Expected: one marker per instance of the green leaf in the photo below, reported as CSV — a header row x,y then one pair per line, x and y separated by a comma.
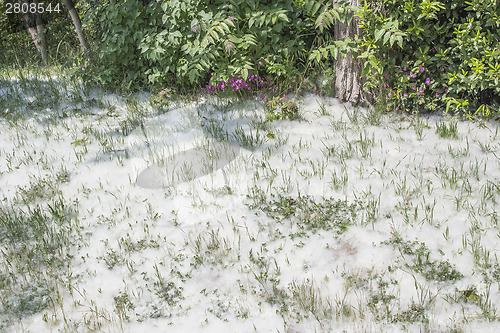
x,y
399,39
283,17
316,7
386,37
244,74
378,34
366,69
308,5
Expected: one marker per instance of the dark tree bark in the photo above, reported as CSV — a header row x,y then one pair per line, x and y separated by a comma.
x,y
78,25
35,27
348,81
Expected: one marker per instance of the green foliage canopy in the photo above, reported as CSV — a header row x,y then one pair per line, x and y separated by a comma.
x,y
429,54
189,41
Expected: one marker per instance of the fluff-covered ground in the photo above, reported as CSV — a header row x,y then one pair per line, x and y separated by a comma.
x,y
129,214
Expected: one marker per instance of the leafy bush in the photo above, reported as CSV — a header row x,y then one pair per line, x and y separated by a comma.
x,y
425,55
189,42
118,29
420,55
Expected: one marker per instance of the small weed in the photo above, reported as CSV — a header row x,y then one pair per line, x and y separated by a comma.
x,y
459,152
281,108
329,214
39,189
365,143
414,314
210,249
419,127
485,147
166,290
373,116
307,298
322,110
112,258
447,130
381,300
422,263
339,181
250,140
352,114
123,305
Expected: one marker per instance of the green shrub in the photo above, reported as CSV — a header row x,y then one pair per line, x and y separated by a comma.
x,y
191,42
425,55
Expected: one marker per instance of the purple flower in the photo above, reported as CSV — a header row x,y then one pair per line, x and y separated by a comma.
x,y
421,68
404,69
405,95
262,96
428,81
397,108
386,76
437,94
442,69
421,90
389,95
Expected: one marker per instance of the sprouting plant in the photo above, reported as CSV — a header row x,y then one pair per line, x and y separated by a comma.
x,y
250,140
449,130
419,127
352,114
421,261
322,110
123,305
373,116
281,108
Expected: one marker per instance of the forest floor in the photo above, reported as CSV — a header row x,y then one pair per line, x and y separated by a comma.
x,y
126,214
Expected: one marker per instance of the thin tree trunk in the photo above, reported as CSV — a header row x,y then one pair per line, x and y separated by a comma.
x,y
31,27
348,81
34,25
40,29
78,25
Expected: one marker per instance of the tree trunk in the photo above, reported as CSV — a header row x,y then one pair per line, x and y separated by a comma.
x,y
34,25
40,29
348,81
78,25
